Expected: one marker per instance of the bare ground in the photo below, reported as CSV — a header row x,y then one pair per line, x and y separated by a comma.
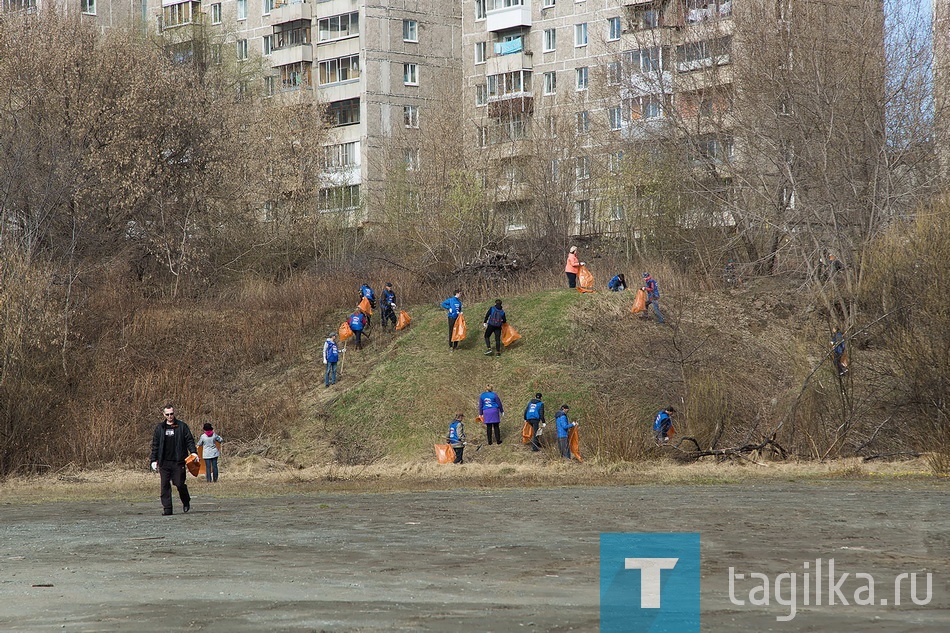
x,y
467,559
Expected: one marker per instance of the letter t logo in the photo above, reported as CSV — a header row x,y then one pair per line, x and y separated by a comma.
x,y
649,578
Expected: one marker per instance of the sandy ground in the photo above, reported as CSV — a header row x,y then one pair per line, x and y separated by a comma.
x,y
465,560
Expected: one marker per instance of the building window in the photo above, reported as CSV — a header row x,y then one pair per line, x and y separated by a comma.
x,y
345,112
580,34
267,44
241,9
615,162
410,74
547,4
550,40
480,49
182,13
481,94
216,13
270,85
410,31
410,116
339,198
412,158
294,76
342,155
293,34
338,26
550,83
508,83
695,55
481,135
581,76
242,50
341,69
582,168
613,28
215,51
268,6
652,107
614,73
583,122
582,213
480,9
88,7
616,210
615,115
514,128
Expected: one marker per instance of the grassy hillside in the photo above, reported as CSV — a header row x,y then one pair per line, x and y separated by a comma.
x,y
739,365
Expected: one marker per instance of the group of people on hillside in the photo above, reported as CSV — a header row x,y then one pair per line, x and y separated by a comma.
x,y
494,322
617,283
490,412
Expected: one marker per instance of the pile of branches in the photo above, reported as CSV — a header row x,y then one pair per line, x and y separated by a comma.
x,y
489,265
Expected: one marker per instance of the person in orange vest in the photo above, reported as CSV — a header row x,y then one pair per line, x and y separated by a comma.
x,y
572,267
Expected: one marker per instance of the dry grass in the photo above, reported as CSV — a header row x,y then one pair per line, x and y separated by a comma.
x,y
253,477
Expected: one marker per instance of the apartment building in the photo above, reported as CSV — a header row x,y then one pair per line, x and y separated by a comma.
x,y
105,14
558,92
377,67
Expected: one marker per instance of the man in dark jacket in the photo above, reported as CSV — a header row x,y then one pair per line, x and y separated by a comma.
x,y
172,442
534,415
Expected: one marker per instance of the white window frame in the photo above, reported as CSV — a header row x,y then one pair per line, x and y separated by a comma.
x,y
614,73
411,155
88,7
267,6
547,4
582,122
481,136
481,95
241,50
333,70
615,116
325,34
481,52
582,78
216,13
410,116
550,40
481,9
267,44
241,9
614,29
550,83
410,31
580,35
410,74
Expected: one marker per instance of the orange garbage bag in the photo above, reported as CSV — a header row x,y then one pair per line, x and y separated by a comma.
x,y
365,307
585,280
572,443
444,453
671,432
191,463
526,433
639,302
508,334
460,331
344,331
404,320
201,458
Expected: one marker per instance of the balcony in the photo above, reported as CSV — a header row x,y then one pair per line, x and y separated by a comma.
x,y
504,18
509,63
291,55
510,105
290,11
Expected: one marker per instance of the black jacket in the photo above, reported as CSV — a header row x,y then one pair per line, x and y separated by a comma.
x,y
184,442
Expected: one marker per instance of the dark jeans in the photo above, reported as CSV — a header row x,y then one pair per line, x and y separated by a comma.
x,y
488,431
458,454
389,315
564,447
211,469
359,338
452,320
571,280
496,330
535,440
329,376
173,474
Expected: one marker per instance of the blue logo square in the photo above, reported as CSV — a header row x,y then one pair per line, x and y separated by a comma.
x,y
649,582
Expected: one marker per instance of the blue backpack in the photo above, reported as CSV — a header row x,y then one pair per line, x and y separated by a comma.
x,y
496,318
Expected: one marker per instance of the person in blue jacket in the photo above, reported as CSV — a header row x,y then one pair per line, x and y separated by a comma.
x,y
456,437
331,355
563,426
662,425
653,296
837,352
491,410
494,319
367,292
389,306
358,322
454,307
617,283
534,415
